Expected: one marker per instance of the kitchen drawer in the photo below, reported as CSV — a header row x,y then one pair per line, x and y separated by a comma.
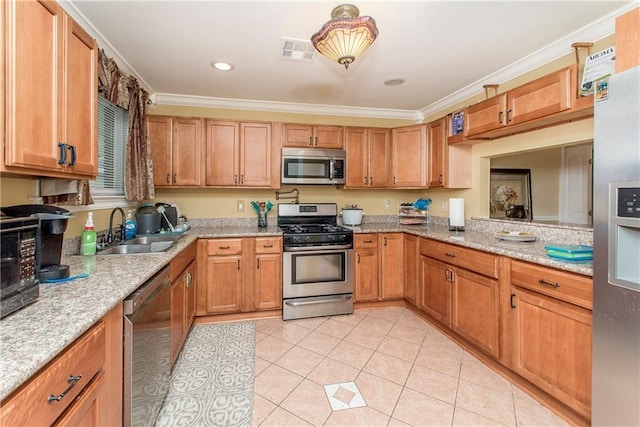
x,y
179,263
366,241
224,246
470,259
268,245
82,360
558,284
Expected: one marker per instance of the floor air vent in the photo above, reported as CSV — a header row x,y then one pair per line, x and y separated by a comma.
x,y
297,50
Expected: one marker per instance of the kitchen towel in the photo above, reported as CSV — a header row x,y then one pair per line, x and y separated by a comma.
x,y
456,212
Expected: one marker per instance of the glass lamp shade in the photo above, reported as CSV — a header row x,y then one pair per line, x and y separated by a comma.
x,y
343,39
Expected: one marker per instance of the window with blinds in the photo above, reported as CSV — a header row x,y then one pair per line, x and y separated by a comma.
x,y
113,129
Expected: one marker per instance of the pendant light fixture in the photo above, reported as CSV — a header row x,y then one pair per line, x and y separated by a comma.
x,y
346,36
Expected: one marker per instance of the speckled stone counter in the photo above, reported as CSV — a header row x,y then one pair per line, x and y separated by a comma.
x,y
526,251
34,335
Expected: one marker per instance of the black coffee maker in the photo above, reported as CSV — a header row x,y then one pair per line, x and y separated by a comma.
x,y
53,224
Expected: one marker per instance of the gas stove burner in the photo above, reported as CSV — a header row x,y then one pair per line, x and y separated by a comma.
x,y
312,228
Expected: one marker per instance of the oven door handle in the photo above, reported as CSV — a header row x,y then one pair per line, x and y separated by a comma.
x,y
319,301
318,249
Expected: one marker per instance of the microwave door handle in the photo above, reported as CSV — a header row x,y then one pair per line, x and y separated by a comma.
x,y
332,168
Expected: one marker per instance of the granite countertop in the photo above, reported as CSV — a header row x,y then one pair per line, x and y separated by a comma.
x,y
34,335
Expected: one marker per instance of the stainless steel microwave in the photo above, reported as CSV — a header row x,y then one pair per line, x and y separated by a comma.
x,y
313,166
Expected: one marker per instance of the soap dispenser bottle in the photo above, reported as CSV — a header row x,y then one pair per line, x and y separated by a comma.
x,y
130,226
89,237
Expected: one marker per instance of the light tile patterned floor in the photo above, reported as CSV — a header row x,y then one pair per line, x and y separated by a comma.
x,y
407,373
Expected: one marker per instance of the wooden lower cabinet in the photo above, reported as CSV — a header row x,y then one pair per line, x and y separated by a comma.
x,y
465,301
551,336
239,275
94,362
183,302
268,273
411,268
379,266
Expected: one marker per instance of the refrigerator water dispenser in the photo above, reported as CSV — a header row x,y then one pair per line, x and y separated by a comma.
x,y
624,234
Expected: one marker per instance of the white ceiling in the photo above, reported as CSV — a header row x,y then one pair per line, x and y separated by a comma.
x,y
439,47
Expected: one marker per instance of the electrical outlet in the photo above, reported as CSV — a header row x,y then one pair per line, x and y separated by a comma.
x,y
443,206
240,205
386,204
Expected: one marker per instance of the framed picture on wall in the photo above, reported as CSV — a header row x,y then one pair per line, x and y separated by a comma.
x,y
510,194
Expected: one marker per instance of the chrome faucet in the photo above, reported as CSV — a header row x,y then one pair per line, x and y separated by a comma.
x,y
110,234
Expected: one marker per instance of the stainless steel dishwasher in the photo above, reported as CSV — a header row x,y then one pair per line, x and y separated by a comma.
x,y
147,367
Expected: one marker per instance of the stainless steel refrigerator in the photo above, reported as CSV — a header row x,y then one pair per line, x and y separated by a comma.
x,y
616,259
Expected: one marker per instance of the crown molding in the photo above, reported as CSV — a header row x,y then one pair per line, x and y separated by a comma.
x,y
594,31
283,107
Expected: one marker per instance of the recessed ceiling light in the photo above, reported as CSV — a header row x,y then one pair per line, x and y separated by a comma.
x,y
395,82
222,66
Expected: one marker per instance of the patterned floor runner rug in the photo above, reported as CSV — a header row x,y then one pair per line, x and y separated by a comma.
x,y
212,380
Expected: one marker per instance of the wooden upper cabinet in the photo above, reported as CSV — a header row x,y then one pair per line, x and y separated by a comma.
x,y
368,157
159,130
449,164
51,105
539,98
176,147
485,116
437,137
409,157
241,154
627,40
222,153
309,136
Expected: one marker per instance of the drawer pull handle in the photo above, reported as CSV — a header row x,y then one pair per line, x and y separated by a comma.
x,y
449,255
72,382
367,241
224,247
544,282
267,246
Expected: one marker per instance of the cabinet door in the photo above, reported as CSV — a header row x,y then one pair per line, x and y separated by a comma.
x,y
89,409
160,131
223,282
268,282
541,97
298,136
379,158
81,98
256,155
367,285
34,79
486,115
437,140
391,277
409,157
475,310
328,137
190,296
186,151
552,347
222,154
177,317
411,271
436,289
357,158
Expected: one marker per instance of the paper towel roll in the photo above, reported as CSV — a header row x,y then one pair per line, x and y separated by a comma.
x,y
456,212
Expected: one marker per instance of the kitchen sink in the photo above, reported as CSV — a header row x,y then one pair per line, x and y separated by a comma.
x,y
152,239
138,248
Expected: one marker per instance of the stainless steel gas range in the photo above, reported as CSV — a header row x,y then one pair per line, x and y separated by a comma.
x,y
317,269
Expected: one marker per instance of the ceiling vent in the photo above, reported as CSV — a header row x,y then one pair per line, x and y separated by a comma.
x,y
297,50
